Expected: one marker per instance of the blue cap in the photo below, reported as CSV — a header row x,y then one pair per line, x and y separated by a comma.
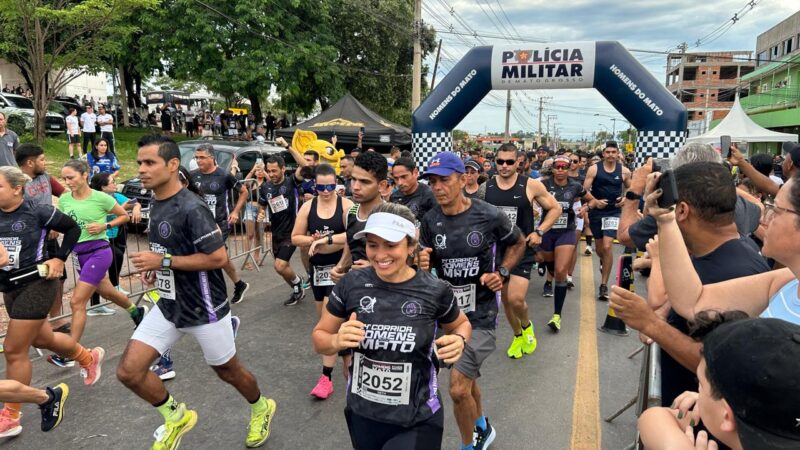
x,y
444,164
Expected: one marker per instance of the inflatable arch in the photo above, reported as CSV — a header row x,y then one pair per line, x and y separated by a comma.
x,y
604,65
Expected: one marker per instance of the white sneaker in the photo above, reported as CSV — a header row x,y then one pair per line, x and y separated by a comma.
x,y
119,288
101,311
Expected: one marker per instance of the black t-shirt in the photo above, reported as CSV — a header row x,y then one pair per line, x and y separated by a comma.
x,y
215,187
281,203
23,233
566,196
733,259
393,374
746,216
183,225
420,202
465,246
357,247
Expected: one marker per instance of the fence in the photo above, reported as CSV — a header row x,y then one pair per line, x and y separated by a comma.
x,y
252,254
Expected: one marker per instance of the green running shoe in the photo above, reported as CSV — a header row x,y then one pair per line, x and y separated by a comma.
x,y
169,435
555,323
528,340
259,425
515,349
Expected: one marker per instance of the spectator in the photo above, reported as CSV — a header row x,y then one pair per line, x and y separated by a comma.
x,y
88,123
748,395
705,217
762,162
101,160
9,141
188,117
254,234
106,122
166,120
346,170
270,120
73,134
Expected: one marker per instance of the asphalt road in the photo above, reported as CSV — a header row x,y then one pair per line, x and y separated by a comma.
x,y
553,399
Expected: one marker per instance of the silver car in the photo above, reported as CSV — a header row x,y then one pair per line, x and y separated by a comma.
x,y
20,113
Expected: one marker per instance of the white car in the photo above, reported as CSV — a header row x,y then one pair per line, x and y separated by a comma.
x,y
19,110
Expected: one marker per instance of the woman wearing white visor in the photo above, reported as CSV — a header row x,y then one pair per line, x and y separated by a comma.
x,y
388,314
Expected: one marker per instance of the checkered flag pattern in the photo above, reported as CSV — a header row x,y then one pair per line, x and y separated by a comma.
x,y
658,144
426,145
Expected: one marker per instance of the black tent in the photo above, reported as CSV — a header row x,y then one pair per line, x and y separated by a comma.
x,y
345,118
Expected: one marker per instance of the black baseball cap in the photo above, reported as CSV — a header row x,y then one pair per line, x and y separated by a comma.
x,y
612,144
474,164
754,364
543,148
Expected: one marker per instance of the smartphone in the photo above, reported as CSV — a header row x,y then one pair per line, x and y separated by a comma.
x,y
625,272
361,130
725,145
666,183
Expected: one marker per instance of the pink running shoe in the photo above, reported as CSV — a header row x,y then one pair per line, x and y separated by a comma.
x,y
323,389
91,373
8,426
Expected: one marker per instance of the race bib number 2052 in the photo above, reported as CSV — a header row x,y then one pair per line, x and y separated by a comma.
x,y
388,383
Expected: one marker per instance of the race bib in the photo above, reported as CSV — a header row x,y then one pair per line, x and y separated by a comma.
x,y
13,257
561,223
211,201
465,297
165,283
510,212
322,275
278,204
610,223
387,383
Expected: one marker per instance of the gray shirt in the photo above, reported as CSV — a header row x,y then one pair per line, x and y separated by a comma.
x,y
8,143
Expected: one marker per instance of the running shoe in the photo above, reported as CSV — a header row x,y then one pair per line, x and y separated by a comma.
x,y
164,369
484,438
119,288
235,322
603,295
139,315
239,289
60,361
528,340
169,435
298,292
547,290
91,373
53,410
555,323
8,426
259,425
305,283
323,389
570,284
515,349
588,251
101,311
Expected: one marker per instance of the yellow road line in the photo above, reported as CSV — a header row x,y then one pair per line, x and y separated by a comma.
x,y
586,431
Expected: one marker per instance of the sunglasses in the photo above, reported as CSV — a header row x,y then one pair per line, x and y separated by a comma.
x,y
505,162
326,187
561,166
574,161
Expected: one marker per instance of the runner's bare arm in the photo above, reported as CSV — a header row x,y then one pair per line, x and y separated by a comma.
x,y
301,162
590,174
3,255
300,237
243,194
514,253
333,334
538,193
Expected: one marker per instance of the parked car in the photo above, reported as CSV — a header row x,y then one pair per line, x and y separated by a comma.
x,y
70,102
246,154
22,107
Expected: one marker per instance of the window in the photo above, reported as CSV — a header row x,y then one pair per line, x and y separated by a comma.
x,y
774,52
787,46
714,72
762,58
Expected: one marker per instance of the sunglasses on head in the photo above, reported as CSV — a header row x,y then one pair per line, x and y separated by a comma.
x,y
326,187
505,162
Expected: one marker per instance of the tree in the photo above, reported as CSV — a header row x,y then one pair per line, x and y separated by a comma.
x,y
55,41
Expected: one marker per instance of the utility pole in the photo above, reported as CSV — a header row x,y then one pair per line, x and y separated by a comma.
x,y
436,64
508,115
541,107
549,116
613,129
416,84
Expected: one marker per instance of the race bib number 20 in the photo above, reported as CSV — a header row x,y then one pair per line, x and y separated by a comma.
x,y
387,383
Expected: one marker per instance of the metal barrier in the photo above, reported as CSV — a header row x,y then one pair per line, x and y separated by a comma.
x,y
132,283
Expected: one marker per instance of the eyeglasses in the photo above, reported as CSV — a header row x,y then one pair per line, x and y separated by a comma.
x,y
560,166
771,208
505,162
326,187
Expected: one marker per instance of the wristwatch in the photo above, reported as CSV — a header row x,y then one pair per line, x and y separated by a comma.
x,y
108,225
504,273
166,262
539,232
630,195
330,239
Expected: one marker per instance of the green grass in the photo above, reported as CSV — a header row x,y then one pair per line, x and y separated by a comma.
x,y
57,152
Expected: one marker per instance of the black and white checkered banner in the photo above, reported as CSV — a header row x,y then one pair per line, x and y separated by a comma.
x,y
426,145
658,144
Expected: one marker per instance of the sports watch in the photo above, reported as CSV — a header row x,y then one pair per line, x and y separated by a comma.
x,y
539,232
166,262
504,273
630,195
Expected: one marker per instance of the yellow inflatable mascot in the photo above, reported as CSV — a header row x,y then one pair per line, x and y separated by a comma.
x,y
303,141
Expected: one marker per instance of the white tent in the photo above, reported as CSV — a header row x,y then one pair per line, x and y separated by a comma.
x,y
741,128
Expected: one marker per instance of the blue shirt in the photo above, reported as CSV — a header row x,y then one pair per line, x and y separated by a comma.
x,y
121,199
103,164
784,304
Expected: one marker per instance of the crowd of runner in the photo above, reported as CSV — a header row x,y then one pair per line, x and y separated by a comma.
x,y
409,263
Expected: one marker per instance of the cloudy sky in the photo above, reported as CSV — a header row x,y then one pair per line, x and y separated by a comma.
x,y
642,25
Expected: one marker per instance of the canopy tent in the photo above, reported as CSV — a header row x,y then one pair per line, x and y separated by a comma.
x,y
345,118
741,128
